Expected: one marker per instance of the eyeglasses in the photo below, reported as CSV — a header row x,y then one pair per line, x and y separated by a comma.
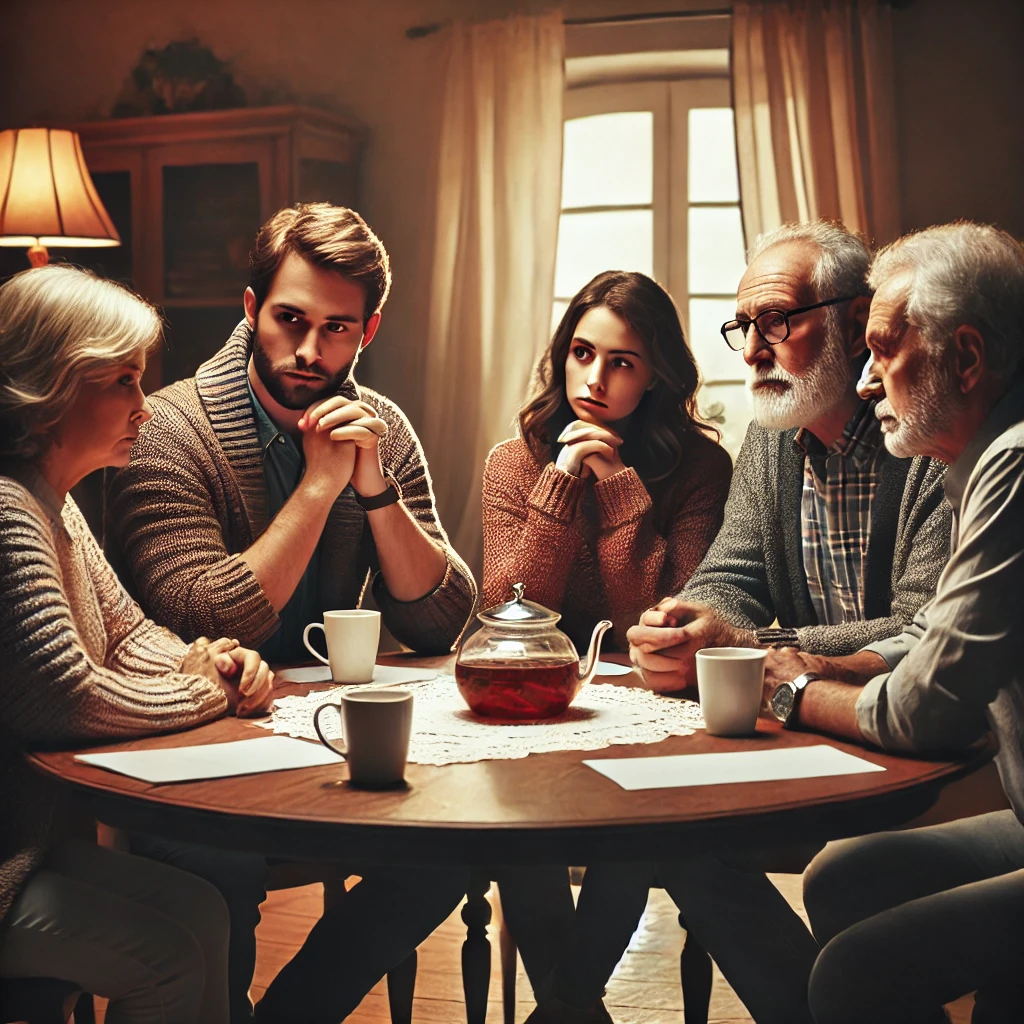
x,y
771,324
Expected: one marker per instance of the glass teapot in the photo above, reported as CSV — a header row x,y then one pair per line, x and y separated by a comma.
x,y
520,665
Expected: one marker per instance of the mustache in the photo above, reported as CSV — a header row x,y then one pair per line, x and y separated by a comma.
x,y
884,410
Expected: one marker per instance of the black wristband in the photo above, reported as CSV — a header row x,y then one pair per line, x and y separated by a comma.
x,y
389,496
768,636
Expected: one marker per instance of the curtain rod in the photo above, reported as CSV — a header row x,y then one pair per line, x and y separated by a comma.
x,y
420,31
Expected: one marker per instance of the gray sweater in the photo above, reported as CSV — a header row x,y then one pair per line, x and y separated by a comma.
x,y
753,572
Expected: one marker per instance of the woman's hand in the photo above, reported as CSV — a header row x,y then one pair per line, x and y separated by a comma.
x,y
242,674
590,449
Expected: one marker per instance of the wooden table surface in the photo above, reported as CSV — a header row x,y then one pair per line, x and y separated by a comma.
x,y
545,808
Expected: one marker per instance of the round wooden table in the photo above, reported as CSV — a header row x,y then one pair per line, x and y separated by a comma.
x,y
542,809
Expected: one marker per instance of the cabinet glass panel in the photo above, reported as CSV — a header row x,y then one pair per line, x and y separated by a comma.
x,y
192,335
326,181
211,216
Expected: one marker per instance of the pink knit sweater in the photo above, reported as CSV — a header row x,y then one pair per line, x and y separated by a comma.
x,y
590,549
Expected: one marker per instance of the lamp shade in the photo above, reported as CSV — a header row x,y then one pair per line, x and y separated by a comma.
x,y
46,194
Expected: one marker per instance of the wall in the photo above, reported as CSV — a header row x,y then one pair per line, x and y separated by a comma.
x,y
959,89
959,74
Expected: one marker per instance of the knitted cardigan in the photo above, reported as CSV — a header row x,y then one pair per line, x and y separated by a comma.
x,y
193,498
754,573
78,662
590,549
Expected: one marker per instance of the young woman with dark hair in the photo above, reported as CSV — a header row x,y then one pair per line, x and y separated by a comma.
x,y
604,504
613,471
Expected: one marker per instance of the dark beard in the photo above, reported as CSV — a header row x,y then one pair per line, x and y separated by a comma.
x,y
293,396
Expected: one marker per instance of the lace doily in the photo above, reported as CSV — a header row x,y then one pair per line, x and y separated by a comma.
x,y
445,731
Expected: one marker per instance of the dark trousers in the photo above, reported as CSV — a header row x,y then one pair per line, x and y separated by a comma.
x,y
242,880
909,921
353,945
732,910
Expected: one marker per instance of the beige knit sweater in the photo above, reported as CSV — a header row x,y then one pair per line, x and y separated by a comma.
x,y
193,498
78,661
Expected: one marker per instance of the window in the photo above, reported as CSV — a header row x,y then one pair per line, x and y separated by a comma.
x,y
649,183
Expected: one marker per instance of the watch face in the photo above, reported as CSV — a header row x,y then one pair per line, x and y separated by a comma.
x,y
782,702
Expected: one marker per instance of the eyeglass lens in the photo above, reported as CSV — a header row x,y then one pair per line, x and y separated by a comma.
x,y
772,324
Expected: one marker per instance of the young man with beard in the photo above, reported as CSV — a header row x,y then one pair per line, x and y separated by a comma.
x,y
265,490
910,921
825,532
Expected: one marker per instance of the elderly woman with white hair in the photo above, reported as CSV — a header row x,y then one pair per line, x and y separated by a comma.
x,y
80,662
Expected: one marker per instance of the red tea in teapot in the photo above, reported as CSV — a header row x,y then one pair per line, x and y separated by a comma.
x,y
511,690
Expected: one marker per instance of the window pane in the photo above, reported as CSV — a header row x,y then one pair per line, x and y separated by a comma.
x,y
716,360
608,160
728,407
715,243
591,242
712,176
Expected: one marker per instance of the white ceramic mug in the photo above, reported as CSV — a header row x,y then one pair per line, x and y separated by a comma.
x,y
352,635
730,681
375,725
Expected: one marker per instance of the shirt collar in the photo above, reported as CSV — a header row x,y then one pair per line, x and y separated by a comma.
x,y
860,437
266,429
1006,412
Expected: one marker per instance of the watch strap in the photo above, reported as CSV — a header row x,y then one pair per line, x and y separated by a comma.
x,y
389,496
772,636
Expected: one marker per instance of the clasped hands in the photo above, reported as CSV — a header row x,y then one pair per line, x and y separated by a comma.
x,y
589,449
245,678
664,644
341,443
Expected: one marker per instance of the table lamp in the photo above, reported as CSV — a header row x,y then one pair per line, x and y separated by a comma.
x,y
47,197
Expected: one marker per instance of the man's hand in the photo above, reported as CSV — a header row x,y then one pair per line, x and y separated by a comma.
x,y
344,420
242,674
329,462
783,665
590,449
663,646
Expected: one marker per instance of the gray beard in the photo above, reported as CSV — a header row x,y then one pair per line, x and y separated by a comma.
x,y
931,411
810,395
295,396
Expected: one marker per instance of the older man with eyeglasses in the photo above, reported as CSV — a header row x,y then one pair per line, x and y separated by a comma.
x,y
825,532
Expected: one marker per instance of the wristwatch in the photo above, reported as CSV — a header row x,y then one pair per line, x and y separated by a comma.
x,y
786,698
388,496
770,636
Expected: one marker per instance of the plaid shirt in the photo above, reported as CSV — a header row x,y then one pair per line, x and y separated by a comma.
x,y
835,514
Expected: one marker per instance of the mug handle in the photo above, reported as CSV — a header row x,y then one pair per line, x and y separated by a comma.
x,y
305,639
341,751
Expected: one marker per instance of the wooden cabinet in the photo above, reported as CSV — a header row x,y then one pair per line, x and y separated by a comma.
x,y
188,193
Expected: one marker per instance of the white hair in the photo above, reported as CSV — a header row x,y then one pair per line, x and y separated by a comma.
x,y
60,326
843,257
961,274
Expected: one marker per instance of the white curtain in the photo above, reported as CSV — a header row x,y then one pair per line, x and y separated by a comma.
x,y
815,114
498,202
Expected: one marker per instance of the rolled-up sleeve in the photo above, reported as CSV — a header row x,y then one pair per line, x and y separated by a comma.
x,y
938,695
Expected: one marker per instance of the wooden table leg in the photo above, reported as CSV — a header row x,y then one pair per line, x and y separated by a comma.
x,y
401,985
476,950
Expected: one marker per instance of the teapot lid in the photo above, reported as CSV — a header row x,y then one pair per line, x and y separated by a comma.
x,y
518,612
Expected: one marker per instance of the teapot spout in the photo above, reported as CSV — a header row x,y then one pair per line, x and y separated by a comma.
x,y
587,671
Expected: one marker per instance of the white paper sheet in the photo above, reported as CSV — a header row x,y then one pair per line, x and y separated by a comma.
x,y
383,675
740,766
610,668
214,760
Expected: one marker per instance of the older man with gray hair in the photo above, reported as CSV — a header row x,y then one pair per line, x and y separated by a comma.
x,y
912,920
824,531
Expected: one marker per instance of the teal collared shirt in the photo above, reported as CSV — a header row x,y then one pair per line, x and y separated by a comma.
x,y
283,466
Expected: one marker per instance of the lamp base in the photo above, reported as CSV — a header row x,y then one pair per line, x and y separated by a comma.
x,y
38,255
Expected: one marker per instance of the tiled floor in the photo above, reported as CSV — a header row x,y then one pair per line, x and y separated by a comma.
x,y
644,990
